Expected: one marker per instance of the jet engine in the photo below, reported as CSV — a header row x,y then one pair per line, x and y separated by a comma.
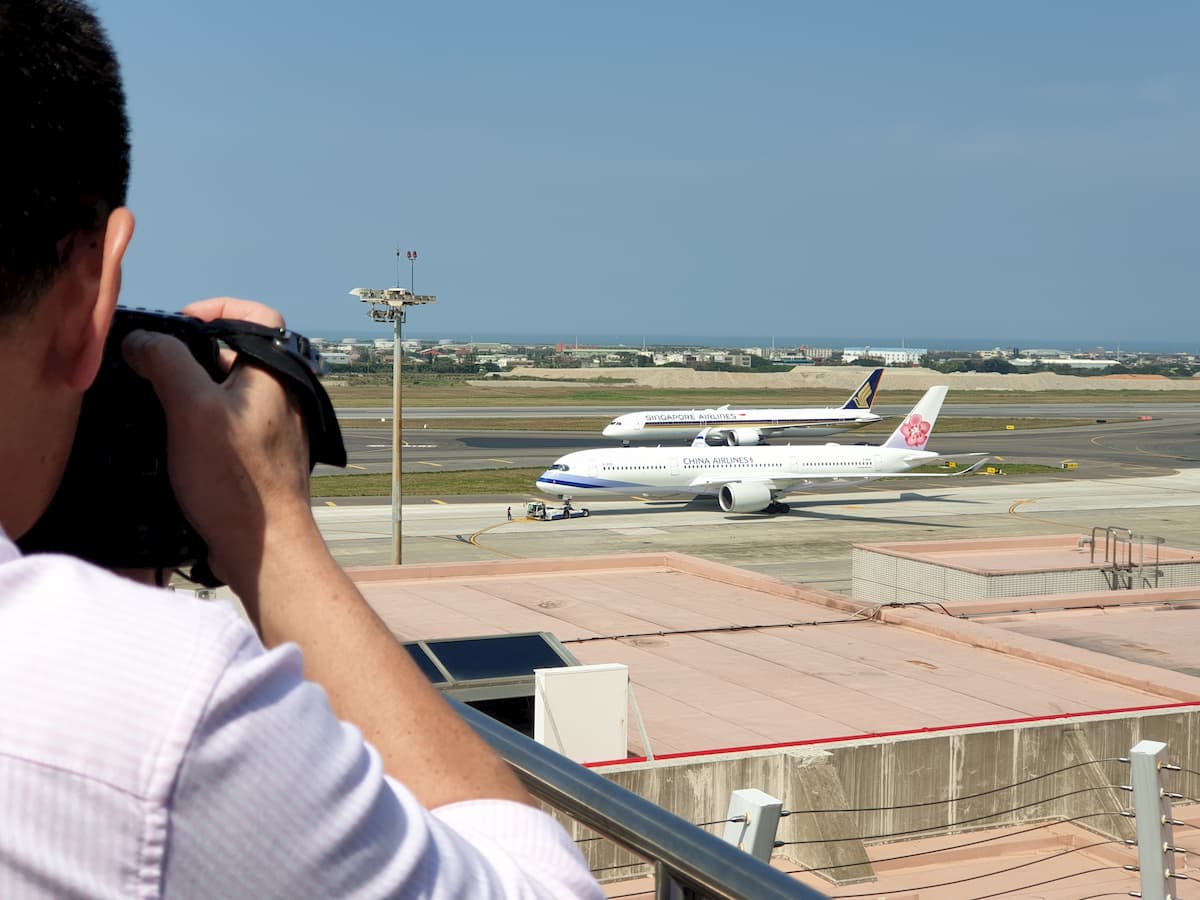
x,y
741,497
735,437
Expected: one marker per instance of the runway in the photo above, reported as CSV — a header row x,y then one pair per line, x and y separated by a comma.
x,y
810,545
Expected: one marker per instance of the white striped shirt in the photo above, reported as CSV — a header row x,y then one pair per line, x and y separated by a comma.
x,y
150,747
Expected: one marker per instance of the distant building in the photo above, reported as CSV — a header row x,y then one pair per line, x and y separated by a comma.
x,y
816,354
891,356
1072,362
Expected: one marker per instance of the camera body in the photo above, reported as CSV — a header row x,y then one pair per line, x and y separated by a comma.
x,y
115,505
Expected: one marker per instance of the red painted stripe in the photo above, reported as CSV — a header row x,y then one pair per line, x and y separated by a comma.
x,y
866,736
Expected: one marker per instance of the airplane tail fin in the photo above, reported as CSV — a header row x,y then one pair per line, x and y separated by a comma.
x,y
864,395
917,426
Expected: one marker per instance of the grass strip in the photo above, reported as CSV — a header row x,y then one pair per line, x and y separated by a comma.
x,y
430,484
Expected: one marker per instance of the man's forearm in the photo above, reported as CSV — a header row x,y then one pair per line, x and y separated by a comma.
x,y
302,595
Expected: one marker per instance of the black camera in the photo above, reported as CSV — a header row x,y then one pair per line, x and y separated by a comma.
x,y
115,506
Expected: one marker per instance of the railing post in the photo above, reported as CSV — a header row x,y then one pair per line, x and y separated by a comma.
x,y
758,822
1152,810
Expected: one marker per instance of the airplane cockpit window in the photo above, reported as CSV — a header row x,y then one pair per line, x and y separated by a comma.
x,y
616,421
559,467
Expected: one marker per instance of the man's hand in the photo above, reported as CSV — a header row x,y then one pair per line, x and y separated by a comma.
x,y
237,451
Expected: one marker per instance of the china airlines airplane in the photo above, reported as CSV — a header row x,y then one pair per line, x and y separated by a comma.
x,y
750,479
739,427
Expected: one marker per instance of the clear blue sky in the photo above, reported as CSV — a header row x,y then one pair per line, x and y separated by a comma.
x,y
908,170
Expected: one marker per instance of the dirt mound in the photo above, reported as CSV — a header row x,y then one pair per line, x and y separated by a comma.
x,y
845,378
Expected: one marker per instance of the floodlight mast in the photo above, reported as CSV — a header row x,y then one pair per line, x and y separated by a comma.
x,y
390,305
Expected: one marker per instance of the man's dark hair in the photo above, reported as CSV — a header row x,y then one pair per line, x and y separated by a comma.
x,y
64,154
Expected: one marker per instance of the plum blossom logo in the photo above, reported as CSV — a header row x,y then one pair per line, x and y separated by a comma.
x,y
915,431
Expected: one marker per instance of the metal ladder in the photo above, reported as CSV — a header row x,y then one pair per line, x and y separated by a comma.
x,y
1118,566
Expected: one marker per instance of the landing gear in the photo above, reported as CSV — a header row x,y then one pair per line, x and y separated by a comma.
x,y
777,509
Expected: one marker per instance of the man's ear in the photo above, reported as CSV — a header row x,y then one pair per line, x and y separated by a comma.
x,y
98,274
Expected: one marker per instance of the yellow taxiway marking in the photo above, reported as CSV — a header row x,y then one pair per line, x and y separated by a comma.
x,y
424,463
330,503
498,459
1099,441
353,466
473,540
1015,510
439,502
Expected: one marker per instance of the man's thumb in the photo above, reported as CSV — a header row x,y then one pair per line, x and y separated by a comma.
x,y
167,364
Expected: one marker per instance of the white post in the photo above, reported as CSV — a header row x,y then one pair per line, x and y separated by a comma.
x,y
1152,810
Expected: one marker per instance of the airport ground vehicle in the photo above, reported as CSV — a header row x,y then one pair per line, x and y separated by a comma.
x,y
536,509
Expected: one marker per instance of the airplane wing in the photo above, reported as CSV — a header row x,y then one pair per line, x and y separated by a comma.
x,y
786,481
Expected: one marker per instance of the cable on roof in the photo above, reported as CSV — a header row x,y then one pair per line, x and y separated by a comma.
x,y
1026,887
716,629
741,818
1025,865
996,837
925,604
960,822
628,865
1007,787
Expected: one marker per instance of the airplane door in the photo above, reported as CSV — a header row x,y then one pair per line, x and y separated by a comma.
x,y
674,464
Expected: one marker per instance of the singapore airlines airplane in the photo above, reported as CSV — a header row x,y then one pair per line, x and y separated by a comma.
x,y
751,479
739,427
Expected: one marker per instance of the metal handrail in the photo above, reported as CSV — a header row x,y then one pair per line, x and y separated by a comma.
x,y
690,857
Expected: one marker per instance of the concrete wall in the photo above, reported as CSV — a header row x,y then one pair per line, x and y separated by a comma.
x,y
916,786
885,578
